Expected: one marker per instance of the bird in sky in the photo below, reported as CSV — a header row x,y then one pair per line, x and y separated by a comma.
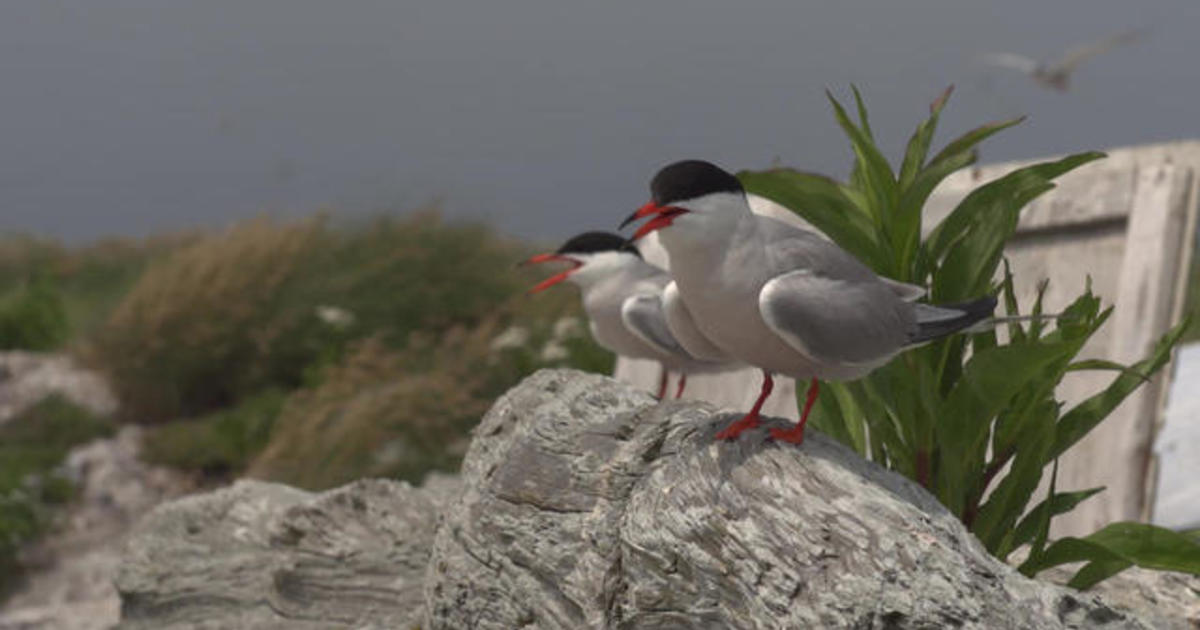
x,y
1056,75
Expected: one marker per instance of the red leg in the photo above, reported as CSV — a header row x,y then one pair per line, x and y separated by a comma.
x,y
682,384
795,435
662,383
750,420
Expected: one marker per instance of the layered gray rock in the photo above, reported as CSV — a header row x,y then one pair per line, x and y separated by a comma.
x,y
587,505
265,555
583,503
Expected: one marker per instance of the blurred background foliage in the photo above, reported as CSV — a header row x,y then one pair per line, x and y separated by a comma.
x,y
308,352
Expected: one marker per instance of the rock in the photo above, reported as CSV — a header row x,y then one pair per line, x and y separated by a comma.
x,y
70,572
1164,599
27,377
584,504
265,555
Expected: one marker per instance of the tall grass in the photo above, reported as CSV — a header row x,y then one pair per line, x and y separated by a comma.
x,y
196,331
323,343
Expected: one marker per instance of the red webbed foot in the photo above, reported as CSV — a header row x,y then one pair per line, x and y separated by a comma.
x,y
735,428
794,435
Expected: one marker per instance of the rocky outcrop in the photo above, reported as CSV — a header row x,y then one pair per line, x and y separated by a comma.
x,y
68,582
265,555
585,504
27,377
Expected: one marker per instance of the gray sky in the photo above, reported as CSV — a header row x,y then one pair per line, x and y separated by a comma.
x,y
133,116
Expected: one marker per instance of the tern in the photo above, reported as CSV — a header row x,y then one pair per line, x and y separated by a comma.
x,y
1057,74
779,297
633,307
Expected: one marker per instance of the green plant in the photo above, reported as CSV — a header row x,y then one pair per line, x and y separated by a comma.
x,y
32,444
971,419
268,305
33,317
221,443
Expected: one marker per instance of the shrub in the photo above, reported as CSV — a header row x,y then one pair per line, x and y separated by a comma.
x,y
220,444
89,279
971,419
34,318
195,332
400,413
266,305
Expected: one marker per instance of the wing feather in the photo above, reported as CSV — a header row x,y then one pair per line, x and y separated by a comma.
x,y
643,315
836,321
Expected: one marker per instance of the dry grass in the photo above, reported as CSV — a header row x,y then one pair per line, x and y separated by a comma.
x,y
191,333
375,415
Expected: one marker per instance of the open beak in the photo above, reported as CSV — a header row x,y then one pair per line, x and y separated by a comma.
x,y
663,216
556,278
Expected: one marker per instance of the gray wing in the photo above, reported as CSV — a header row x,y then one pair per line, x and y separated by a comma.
x,y
643,316
836,321
684,330
794,248
1012,61
1078,55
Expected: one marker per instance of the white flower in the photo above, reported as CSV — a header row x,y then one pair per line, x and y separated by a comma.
x,y
335,316
554,351
512,337
568,327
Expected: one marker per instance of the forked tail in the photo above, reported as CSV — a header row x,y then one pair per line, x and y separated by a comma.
x,y
935,322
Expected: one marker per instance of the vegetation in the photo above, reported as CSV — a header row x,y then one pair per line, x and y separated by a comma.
x,y
302,352
86,282
973,418
33,317
32,444
315,354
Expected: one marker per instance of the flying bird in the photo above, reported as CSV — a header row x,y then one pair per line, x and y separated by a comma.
x,y
633,307
1057,74
779,297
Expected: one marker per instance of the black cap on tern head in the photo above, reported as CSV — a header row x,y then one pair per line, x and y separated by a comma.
x,y
596,242
690,179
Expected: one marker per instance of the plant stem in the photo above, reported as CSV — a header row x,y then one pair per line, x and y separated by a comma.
x,y
922,469
971,511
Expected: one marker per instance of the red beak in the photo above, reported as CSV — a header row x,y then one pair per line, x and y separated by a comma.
x,y
663,216
556,278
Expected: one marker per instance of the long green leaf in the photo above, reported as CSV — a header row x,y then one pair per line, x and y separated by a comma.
x,y
967,141
988,382
1102,364
1118,546
971,262
1084,417
1016,334
863,120
1056,504
1016,185
878,180
918,145
999,514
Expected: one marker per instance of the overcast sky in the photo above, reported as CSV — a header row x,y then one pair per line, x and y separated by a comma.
x,y
128,117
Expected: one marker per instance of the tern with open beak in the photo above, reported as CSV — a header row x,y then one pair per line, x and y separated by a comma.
x,y
781,298
633,308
